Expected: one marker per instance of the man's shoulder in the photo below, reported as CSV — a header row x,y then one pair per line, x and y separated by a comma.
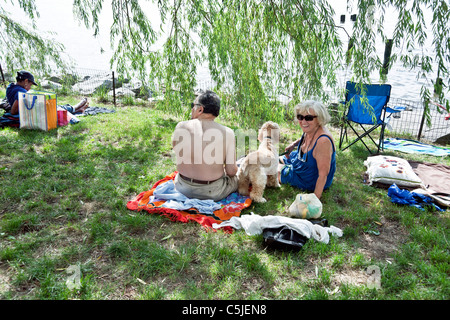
x,y
228,130
191,124
221,126
184,124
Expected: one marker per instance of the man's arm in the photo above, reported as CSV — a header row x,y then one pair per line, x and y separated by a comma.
x,y
231,170
230,157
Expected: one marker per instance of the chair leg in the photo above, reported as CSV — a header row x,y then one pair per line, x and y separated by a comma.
x,y
360,138
367,133
381,143
341,136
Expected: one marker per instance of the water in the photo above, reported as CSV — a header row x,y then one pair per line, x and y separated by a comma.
x,y
83,48
95,53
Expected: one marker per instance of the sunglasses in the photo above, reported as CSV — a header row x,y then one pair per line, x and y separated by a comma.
x,y
307,117
195,104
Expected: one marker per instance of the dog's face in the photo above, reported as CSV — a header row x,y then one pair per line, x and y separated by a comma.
x,y
269,129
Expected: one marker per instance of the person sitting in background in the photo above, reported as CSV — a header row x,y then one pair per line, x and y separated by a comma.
x,y
24,81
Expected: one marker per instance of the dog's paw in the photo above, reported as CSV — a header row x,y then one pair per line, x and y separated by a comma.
x,y
260,200
244,191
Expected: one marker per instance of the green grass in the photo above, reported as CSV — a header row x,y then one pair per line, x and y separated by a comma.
x,y
63,203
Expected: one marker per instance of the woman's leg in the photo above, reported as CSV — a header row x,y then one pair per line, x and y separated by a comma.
x,y
81,106
280,167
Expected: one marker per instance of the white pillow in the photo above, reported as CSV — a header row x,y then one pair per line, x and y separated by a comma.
x,y
389,170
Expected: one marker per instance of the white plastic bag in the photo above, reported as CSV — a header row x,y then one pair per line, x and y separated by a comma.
x,y
254,224
306,206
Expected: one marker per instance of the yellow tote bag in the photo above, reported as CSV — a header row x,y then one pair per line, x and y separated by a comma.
x,y
37,110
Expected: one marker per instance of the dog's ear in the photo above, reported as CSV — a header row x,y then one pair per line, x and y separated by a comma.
x,y
264,131
274,130
261,132
270,129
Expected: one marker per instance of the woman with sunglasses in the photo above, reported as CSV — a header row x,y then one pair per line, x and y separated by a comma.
x,y
310,162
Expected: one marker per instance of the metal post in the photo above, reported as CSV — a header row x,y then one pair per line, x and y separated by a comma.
x,y
3,76
421,124
114,89
387,56
438,86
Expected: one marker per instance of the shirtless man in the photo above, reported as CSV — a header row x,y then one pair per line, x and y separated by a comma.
x,y
205,152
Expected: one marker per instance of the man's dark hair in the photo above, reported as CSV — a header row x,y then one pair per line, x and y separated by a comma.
x,y
210,102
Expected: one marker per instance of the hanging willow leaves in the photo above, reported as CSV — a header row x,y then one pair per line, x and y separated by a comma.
x,y
22,46
257,51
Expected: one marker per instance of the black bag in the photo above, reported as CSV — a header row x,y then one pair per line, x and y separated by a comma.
x,y
283,238
5,105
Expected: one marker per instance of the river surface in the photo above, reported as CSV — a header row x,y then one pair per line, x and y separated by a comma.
x,y
90,52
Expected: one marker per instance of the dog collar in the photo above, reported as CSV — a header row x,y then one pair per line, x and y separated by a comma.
x,y
268,137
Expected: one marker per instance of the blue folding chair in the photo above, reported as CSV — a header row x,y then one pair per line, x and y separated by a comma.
x,y
366,106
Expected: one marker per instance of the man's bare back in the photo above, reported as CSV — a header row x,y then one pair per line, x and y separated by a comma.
x,y
206,149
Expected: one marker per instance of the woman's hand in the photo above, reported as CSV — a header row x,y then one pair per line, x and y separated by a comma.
x,y
291,147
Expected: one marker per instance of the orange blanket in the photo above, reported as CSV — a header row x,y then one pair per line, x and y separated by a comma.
x,y
231,206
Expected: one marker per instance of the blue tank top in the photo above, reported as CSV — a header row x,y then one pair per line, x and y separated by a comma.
x,y
301,169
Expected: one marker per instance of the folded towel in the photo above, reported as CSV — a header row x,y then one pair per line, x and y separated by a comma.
x,y
177,200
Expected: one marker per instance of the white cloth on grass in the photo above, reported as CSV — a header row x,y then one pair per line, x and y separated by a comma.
x,y
254,224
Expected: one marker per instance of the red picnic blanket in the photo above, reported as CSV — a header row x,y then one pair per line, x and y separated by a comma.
x,y
231,206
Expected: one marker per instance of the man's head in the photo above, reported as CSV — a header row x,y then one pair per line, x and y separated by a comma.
x,y
207,102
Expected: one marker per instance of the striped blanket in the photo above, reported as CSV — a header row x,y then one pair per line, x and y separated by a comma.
x,y
231,206
412,146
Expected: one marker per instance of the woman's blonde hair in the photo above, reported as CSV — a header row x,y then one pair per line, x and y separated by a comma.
x,y
323,117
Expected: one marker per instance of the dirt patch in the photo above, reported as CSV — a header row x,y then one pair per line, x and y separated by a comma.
x,y
350,277
4,284
4,281
88,208
382,246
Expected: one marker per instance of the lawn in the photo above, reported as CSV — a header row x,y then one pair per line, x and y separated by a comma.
x,y
63,216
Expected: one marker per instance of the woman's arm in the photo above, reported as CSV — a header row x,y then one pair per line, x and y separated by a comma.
x,y
322,153
291,147
15,107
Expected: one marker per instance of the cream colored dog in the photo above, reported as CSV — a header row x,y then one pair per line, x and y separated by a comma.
x,y
259,168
